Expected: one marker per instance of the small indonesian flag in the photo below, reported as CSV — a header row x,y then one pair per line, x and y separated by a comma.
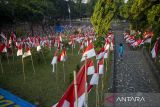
x,y
54,60
27,53
107,45
95,78
90,68
148,40
19,52
3,48
101,66
38,48
13,36
100,54
89,52
106,54
137,43
3,36
63,56
154,51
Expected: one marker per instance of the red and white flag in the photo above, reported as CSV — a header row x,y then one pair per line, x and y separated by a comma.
x,y
101,53
63,56
89,52
107,44
68,99
106,54
137,43
38,48
3,36
27,53
148,40
101,66
3,48
154,51
100,70
90,68
54,60
95,78
19,52
13,37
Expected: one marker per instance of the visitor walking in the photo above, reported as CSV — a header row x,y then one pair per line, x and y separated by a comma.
x,y
121,51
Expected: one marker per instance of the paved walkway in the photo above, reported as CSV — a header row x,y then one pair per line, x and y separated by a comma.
x,y
133,73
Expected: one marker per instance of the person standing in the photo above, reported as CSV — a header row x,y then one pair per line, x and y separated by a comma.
x,y
121,51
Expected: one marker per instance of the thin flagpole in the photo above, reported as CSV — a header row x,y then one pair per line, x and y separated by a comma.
x,y
13,56
7,58
1,65
63,71
86,85
56,80
33,64
97,97
72,49
102,87
150,47
43,56
53,68
75,88
24,77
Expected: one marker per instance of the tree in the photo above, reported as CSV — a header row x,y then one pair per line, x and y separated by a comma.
x,y
104,12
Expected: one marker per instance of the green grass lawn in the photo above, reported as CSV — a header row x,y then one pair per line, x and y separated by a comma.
x,y
43,87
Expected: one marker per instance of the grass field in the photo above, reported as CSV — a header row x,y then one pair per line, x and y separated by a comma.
x,y
43,88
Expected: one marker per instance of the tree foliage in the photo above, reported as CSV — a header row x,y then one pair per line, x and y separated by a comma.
x,y
142,14
104,12
38,11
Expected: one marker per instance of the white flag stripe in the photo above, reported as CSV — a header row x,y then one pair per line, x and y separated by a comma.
x,y
90,53
101,69
54,60
91,70
94,79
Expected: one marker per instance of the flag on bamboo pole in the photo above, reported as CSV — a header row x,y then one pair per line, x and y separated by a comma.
x,y
13,37
68,99
27,53
38,47
3,48
107,44
100,70
95,78
19,52
154,51
63,56
106,54
54,60
147,40
90,68
101,66
101,53
89,52
3,36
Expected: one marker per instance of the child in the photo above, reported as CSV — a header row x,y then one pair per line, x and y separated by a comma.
x,y
121,51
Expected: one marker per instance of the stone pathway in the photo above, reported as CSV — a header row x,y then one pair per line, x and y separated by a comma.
x,y
133,73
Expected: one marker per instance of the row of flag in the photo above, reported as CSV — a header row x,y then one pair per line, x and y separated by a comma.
x,y
88,69
133,42
86,48
147,38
